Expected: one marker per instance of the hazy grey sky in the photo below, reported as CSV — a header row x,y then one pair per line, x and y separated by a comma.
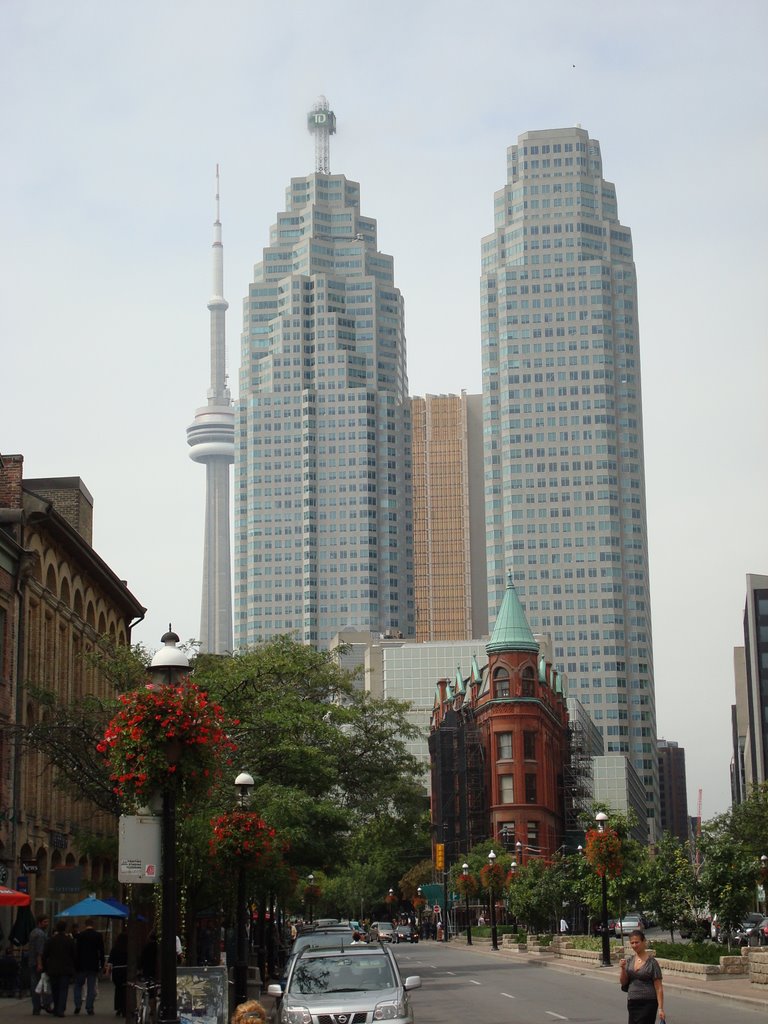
x,y
113,117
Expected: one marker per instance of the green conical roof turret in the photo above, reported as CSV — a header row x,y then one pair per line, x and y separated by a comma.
x,y
511,632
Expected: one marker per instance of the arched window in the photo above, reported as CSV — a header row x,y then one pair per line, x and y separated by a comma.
x,y
501,682
528,681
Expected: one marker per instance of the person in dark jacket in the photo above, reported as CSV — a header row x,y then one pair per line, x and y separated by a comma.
x,y
59,965
37,940
89,963
118,965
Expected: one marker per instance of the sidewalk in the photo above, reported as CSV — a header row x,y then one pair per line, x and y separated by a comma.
x,y
736,988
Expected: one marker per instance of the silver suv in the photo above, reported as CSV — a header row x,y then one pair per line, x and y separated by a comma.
x,y
357,985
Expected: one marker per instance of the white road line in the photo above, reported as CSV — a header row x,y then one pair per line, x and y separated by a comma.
x,y
558,1015
473,982
507,995
452,973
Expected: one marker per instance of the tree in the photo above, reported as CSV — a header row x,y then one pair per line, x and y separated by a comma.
x,y
670,885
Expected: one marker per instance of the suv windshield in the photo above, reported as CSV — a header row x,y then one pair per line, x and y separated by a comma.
x,y
342,974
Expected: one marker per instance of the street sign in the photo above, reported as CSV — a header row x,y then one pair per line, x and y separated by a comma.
x,y
139,849
436,908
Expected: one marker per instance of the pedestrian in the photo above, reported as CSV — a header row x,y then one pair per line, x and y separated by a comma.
x,y
481,920
640,978
59,965
563,926
249,1012
89,963
148,958
118,968
37,940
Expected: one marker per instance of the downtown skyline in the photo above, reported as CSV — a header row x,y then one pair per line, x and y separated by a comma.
x,y
107,198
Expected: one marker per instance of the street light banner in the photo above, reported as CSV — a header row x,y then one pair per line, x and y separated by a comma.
x,y
139,857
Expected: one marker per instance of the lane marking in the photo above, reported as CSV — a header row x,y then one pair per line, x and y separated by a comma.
x,y
558,1015
452,973
507,995
473,982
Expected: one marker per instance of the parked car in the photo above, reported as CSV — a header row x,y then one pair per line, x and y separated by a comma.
x,y
404,933
382,931
761,931
318,938
745,934
628,924
362,982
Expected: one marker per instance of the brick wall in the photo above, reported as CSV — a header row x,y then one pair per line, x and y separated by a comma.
x,y
11,470
71,499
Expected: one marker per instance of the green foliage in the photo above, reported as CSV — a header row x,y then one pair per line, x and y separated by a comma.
x,y
670,884
730,847
690,953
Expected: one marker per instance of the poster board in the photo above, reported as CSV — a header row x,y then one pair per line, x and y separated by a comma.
x,y
202,995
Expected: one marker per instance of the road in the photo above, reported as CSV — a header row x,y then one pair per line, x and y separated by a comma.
x,y
460,985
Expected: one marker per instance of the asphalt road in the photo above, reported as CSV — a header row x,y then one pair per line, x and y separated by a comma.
x,y
460,985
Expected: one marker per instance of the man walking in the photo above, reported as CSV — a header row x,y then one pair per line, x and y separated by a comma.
x,y
89,963
37,939
59,965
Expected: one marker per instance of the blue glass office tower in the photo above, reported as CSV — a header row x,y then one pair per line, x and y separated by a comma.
x,y
323,520
563,432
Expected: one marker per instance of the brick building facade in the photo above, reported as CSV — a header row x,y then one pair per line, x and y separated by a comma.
x,y
58,598
499,747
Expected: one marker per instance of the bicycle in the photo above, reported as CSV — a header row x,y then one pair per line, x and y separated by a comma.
x,y
146,1006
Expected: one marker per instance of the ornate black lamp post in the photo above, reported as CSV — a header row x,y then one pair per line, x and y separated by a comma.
x,y
244,783
492,900
168,666
519,851
601,817
465,876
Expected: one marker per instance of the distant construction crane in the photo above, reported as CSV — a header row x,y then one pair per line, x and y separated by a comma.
x,y
698,832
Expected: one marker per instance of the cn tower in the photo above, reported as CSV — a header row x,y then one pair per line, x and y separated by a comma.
x,y
212,439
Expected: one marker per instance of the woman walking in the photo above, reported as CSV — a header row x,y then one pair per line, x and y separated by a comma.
x,y
640,978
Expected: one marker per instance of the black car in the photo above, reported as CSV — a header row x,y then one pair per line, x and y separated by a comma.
x,y
405,933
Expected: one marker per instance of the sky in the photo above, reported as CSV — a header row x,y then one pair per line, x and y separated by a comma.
x,y
113,117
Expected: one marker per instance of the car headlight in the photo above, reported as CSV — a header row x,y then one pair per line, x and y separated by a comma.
x,y
295,1015
390,1009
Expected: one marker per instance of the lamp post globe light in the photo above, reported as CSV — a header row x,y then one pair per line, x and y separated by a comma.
x,y
601,817
310,883
465,876
492,901
169,665
243,784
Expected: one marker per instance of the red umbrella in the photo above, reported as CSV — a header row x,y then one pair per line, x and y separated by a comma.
x,y
13,898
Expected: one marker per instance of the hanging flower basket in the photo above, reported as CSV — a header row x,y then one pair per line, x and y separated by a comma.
x,y
604,852
493,876
312,893
241,837
467,885
418,902
391,898
164,740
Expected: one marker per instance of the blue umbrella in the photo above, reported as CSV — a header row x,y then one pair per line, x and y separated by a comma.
x,y
92,907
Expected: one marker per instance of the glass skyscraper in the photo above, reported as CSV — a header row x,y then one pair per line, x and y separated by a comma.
x,y
562,418
323,517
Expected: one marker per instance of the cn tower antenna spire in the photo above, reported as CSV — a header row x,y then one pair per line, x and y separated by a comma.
x,y
321,122
211,438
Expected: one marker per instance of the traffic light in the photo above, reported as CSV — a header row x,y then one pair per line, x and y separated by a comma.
x,y
440,856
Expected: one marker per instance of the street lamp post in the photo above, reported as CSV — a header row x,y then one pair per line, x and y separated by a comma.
x,y
310,883
494,935
601,817
519,851
168,666
421,908
244,783
465,876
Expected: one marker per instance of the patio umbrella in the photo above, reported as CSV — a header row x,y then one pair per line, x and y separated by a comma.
x,y
13,898
92,907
